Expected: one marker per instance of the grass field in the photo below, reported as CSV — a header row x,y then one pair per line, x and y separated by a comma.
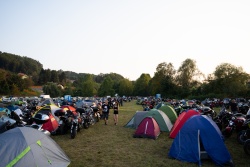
x,y
114,146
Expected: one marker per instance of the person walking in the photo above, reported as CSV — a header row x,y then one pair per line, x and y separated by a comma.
x,y
116,109
105,112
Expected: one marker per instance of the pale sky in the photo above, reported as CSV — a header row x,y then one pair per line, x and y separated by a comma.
x,y
128,37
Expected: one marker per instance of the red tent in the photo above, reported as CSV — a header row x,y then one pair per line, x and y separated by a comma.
x,y
51,125
183,117
148,128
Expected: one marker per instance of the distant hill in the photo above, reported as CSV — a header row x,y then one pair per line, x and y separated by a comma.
x,y
19,64
22,64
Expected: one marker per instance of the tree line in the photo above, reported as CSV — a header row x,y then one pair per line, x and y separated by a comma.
x,y
187,81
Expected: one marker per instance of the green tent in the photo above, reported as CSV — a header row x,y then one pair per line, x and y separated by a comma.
x,y
161,118
170,112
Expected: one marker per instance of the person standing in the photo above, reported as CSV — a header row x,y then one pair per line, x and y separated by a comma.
x,y
121,101
116,109
234,106
105,112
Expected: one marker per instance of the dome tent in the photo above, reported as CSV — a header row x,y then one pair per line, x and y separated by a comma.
x,y
161,118
170,112
200,136
148,128
183,117
24,146
136,119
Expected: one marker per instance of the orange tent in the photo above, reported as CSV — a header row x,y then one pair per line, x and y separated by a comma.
x,y
69,107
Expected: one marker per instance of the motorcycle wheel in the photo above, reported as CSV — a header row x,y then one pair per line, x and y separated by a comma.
x,y
92,121
85,125
73,132
226,133
241,138
97,119
218,122
62,129
247,147
79,128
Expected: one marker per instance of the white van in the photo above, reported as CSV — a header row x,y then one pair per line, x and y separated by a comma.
x,y
45,96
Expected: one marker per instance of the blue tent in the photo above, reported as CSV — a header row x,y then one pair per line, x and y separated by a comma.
x,y
200,135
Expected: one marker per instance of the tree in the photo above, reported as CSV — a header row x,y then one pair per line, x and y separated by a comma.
x,y
188,76
163,80
68,90
142,85
4,88
28,82
88,85
106,88
62,77
54,77
44,76
15,90
99,78
125,87
230,80
52,89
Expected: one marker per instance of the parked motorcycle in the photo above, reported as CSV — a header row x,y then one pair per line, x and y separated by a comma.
x,y
76,123
27,116
96,113
208,111
87,115
6,123
235,123
17,118
74,127
64,122
246,147
243,107
84,117
178,108
245,133
222,118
